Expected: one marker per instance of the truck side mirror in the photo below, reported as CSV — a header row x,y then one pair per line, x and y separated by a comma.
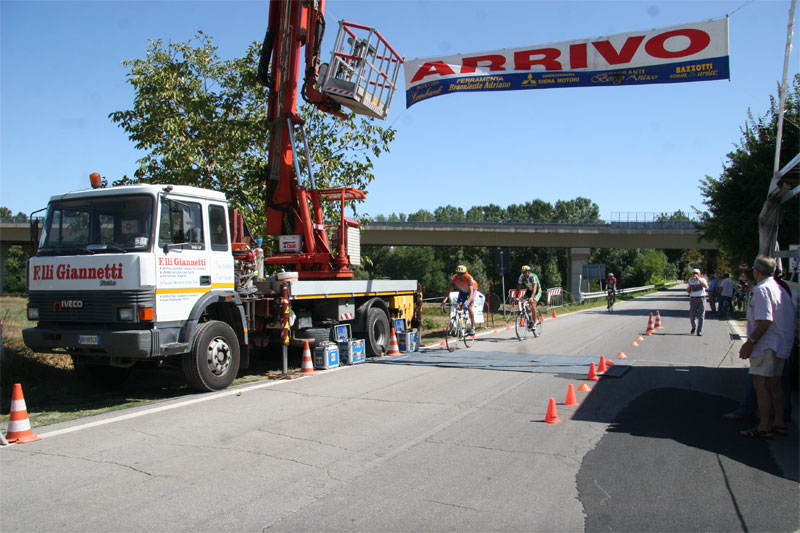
x,y
35,231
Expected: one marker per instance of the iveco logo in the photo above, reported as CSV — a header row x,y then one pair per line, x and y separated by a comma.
x,y
60,305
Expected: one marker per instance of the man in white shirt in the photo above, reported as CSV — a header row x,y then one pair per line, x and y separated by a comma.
x,y
697,300
726,295
770,336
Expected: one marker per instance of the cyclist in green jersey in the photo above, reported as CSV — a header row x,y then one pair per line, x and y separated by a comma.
x,y
531,283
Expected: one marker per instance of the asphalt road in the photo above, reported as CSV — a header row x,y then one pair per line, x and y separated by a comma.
x,y
389,447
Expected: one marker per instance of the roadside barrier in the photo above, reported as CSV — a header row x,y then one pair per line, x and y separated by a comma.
x,y
19,425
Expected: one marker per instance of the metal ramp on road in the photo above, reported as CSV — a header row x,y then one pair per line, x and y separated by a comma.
x,y
516,362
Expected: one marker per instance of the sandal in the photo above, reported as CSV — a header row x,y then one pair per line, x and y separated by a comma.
x,y
735,415
755,433
780,430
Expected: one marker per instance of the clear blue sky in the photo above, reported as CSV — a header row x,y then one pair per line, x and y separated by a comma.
x,y
642,148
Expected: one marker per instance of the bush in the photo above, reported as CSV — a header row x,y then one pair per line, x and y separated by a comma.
x,y
14,265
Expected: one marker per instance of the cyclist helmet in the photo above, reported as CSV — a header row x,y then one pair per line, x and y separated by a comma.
x,y
461,269
610,274
526,268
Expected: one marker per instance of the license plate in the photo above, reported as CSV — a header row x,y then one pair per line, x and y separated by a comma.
x,y
91,340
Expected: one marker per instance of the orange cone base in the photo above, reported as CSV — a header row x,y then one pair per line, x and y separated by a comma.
x,y
634,343
621,355
639,338
584,388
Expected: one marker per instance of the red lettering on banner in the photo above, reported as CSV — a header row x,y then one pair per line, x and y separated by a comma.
x,y
435,67
698,40
524,61
577,56
471,63
625,55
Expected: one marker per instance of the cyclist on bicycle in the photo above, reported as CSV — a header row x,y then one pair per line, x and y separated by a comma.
x,y
467,289
611,288
531,283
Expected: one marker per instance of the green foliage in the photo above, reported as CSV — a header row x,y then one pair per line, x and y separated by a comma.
x,y
202,121
14,264
734,199
650,267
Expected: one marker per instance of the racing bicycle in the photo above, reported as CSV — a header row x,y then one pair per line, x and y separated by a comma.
x,y
611,298
457,327
523,322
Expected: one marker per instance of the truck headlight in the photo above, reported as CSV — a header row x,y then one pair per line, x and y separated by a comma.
x,y
33,313
125,313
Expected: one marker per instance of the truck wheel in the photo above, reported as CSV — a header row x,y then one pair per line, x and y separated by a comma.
x,y
214,360
101,375
314,336
377,334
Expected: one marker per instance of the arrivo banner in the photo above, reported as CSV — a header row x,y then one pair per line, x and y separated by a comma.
x,y
688,52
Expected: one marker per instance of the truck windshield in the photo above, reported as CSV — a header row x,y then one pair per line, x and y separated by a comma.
x,y
116,224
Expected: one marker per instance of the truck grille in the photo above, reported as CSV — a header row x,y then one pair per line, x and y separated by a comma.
x,y
88,307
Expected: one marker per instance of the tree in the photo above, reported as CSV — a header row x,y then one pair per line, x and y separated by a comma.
x,y
5,212
202,121
735,199
14,264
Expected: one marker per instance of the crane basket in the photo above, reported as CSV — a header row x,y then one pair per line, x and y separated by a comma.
x,y
363,71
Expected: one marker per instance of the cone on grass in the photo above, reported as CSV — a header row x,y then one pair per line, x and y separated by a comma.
x,y
307,365
571,399
584,388
658,320
602,366
394,348
621,355
554,314
552,415
592,372
19,425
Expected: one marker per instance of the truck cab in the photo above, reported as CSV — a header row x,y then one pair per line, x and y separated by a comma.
x,y
128,274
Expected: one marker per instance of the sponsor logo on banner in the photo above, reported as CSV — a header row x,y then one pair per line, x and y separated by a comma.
x,y
688,52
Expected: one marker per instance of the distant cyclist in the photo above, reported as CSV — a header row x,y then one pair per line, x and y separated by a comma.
x,y
611,289
530,282
467,289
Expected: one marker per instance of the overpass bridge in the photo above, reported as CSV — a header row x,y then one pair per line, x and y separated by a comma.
x,y
578,239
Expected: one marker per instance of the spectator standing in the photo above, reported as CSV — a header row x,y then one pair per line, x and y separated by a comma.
x,y
726,295
713,291
697,301
770,336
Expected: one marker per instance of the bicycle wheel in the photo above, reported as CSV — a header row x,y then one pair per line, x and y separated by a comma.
x,y
537,327
521,325
451,335
468,339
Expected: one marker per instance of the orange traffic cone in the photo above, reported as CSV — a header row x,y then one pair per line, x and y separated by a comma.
x,y
639,338
307,365
609,362
658,320
592,372
394,349
584,388
571,399
602,366
634,343
554,314
19,426
552,414
621,355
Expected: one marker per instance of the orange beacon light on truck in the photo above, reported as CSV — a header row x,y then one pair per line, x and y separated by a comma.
x,y
95,180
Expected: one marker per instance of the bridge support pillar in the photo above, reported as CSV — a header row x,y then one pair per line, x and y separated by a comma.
x,y
577,258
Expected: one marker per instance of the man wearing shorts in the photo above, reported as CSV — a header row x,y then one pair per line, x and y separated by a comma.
x,y
467,289
770,335
530,282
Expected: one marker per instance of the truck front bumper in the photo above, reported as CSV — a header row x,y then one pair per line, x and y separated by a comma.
x,y
134,344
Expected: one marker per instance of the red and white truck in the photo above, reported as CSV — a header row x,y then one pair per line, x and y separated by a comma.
x,y
170,273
